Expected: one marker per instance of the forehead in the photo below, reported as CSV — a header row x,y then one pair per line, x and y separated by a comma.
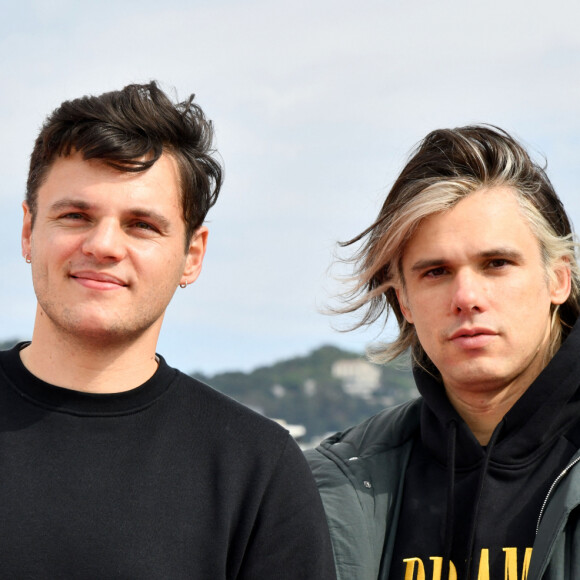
x,y
94,182
484,220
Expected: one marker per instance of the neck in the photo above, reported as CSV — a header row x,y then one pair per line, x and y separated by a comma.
x,y
481,422
482,412
92,365
483,403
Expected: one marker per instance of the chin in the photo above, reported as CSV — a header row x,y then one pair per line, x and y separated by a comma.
x,y
102,331
477,375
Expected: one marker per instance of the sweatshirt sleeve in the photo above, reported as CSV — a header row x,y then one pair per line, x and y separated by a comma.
x,y
290,539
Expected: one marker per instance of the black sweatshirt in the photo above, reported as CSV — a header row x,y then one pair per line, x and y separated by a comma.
x,y
479,506
169,480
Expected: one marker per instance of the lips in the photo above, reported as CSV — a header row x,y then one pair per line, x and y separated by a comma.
x,y
470,332
473,338
98,280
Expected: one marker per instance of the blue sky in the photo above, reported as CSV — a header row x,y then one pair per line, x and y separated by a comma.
x,y
316,105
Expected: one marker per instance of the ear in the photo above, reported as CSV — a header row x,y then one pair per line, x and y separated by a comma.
x,y
26,231
403,305
560,282
195,255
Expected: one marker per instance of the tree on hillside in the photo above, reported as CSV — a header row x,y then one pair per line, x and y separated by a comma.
x,y
304,391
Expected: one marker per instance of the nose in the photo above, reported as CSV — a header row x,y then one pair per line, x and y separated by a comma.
x,y
104,241
468,293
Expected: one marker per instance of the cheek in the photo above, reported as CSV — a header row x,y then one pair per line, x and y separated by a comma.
x,y
167,266
428,327
529,301
54,246
427,330
431,321
425,309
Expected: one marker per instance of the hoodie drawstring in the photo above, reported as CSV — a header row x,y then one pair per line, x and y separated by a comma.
x,y
449,519
480,486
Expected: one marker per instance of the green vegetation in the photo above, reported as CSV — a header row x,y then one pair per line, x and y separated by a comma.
x,y
303,391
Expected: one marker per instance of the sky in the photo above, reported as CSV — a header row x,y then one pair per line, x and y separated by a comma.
x,y
316,105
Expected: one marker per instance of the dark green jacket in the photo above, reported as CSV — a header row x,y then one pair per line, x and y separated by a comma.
x,y
360,474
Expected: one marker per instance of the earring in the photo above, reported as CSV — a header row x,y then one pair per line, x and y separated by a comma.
x,y
27,259
183,285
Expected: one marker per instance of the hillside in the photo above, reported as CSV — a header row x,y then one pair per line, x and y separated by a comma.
x,y
305,391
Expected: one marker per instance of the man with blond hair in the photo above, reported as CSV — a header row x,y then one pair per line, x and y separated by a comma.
x,y
477,478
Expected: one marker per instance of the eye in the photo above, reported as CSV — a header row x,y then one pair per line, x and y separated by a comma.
x,y
144,226
435,272
73,215
498,263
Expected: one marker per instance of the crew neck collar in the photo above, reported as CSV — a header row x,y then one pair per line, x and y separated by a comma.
x,y
64,400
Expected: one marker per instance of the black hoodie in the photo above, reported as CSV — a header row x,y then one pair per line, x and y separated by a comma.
x,y
479,506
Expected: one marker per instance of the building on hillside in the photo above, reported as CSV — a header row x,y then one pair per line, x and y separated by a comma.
x,y
296,431
359,377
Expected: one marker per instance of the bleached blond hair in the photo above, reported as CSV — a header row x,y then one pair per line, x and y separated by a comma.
x,y
444,168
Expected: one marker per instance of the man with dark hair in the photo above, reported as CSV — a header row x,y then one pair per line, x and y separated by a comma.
x,y
115,465
477,478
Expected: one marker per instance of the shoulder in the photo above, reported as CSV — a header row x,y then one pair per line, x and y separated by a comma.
x,y
386,430
225,423
376,450
359,473
215,401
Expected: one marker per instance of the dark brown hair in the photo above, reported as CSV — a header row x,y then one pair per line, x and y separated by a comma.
x,y
129,130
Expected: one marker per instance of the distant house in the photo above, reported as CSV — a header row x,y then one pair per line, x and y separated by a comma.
x,y
359,377
296,431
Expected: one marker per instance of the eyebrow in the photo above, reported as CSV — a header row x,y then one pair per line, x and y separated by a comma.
x,y
508,253
138,212
69,202
155,216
